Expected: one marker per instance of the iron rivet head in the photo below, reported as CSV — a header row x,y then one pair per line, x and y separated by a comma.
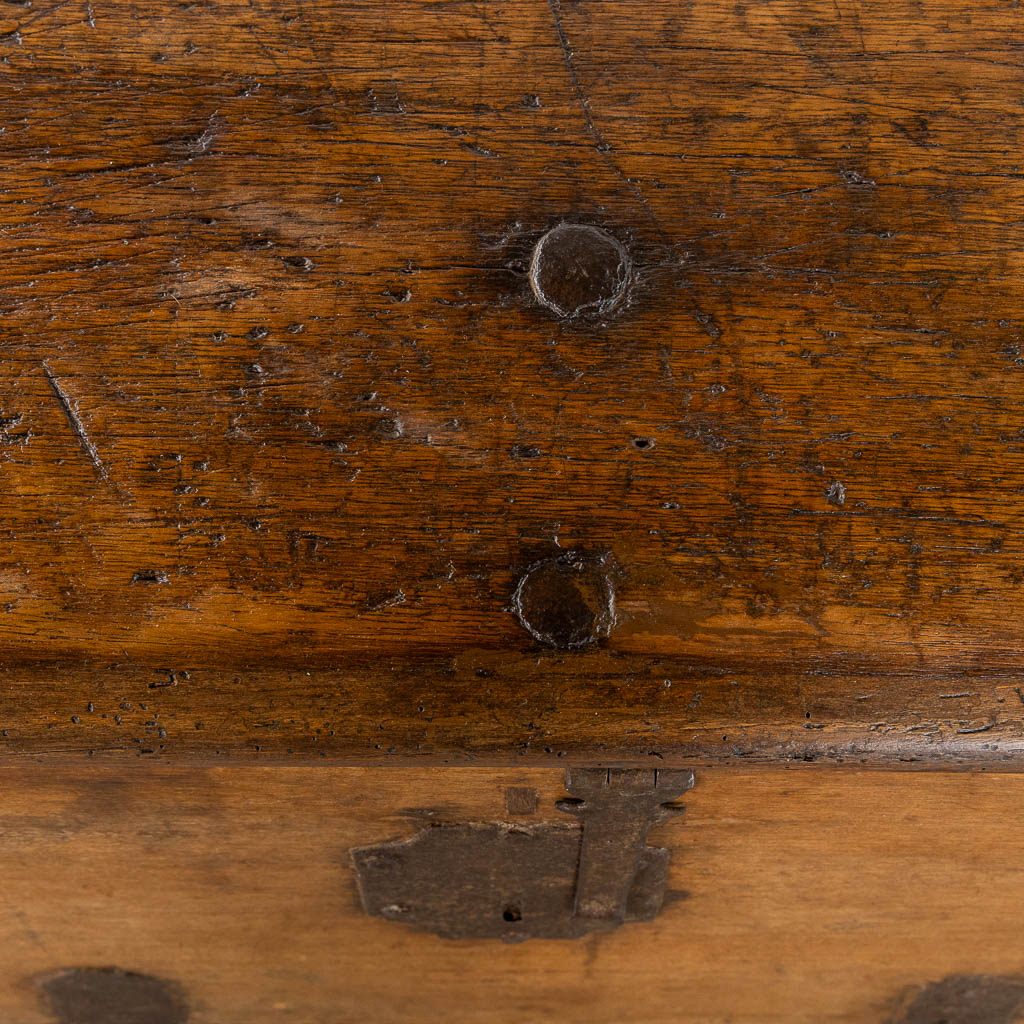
x,y
579,270
566,602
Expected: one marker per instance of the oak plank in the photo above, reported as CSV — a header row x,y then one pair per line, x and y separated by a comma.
x,y
282,422
799,895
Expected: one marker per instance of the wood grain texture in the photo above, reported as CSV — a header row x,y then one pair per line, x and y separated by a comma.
x,y
282,422
803,896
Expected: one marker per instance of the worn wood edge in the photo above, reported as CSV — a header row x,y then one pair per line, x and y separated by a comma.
x,y
848,756
671,714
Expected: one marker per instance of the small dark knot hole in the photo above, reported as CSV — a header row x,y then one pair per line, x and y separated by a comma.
x,y
511,914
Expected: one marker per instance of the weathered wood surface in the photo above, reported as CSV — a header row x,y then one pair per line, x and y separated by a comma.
x,y
282,422
798,896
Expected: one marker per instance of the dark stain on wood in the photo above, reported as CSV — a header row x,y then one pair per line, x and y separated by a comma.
x,y
108,995
967,999
568,601
516,882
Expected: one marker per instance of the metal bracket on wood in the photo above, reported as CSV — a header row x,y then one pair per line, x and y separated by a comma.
x,y
515,881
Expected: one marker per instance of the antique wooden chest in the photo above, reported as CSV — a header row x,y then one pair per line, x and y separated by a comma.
x,y
443,440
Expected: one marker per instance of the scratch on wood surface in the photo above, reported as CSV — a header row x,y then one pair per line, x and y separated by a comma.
x,y
604,148
600,143
199,144
22,918
75,421
574,78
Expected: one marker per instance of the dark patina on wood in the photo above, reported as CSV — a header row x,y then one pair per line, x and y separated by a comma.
x,y
323,323
108,995
966,999
520,881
